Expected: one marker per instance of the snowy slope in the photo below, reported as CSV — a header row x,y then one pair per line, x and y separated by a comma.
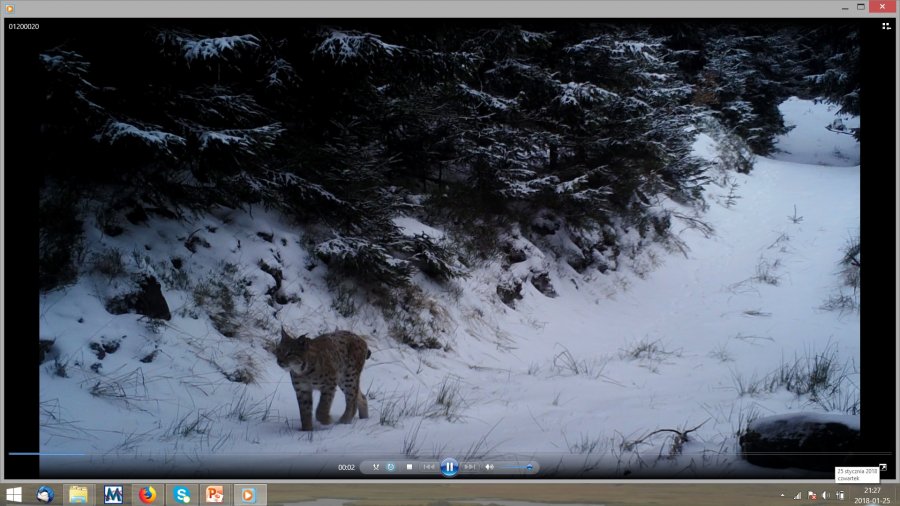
x,y
671,341
810,141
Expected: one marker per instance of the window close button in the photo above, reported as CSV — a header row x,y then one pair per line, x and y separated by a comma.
x,y
882,6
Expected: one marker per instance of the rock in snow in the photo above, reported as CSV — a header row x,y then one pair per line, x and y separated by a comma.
x,y
782,441
146,300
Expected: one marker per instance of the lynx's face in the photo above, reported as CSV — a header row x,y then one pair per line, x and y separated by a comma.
x,y
292,353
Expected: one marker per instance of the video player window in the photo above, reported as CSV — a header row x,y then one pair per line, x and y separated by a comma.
x,y
516,249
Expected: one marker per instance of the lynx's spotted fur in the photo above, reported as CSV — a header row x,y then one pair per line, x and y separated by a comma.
x,y
332,360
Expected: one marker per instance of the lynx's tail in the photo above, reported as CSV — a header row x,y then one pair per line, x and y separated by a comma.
x,y
368,354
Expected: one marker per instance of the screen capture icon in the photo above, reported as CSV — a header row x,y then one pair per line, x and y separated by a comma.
x,y
45,494
113,494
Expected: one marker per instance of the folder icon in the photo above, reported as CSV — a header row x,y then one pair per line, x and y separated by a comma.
x,y
78,495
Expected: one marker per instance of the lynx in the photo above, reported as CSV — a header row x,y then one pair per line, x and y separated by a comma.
x,y
334,359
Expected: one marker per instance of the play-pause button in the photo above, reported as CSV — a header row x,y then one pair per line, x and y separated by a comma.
x,y
449,467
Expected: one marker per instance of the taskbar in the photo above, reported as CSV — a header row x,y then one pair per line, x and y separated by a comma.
x,y
139,494
468,493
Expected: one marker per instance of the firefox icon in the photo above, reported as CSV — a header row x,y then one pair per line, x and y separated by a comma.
x,y
147,494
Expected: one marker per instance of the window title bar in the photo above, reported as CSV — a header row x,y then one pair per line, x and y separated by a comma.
x,y
447,9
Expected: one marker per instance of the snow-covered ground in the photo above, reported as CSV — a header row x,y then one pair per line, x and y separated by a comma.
x,y
670,341
811,141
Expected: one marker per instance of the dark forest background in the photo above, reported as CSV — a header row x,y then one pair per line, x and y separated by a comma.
x,y
551,127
